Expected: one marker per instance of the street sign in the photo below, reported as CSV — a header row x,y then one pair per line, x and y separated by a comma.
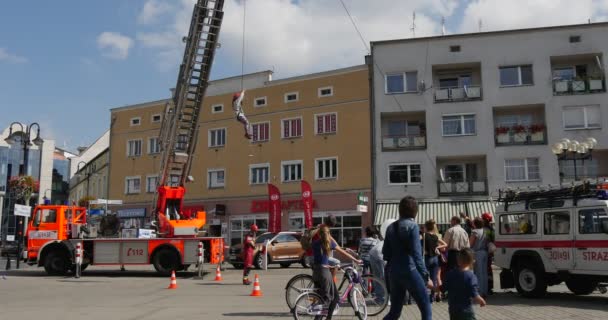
x,y
23,211
10,237
105,201
361,208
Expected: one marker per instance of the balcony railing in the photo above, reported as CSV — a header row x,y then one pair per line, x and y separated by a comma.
x,y
578,86
520,136
403,142
464,188
454,94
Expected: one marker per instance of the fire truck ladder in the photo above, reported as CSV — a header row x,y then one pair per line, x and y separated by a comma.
x,y
179,130
550,196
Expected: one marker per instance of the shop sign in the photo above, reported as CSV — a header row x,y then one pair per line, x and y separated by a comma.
x,y
132,213
258,206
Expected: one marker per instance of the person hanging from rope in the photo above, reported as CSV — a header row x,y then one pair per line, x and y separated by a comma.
x,y
237,100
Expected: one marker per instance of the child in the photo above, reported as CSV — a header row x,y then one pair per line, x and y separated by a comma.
x,y
462,285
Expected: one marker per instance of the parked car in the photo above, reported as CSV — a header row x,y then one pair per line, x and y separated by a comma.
x,y
284,249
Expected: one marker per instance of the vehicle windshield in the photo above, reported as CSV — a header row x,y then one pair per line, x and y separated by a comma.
x,y
264,237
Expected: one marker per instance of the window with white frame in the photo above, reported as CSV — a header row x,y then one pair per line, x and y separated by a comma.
x,y
401,82
151,182
326,92
292,97
156,118
132,185
326,168
258,173
326,123
516,75
260,102
135,121
404,173
582,117
217,137
527,169
239,226
215,178
291,171
217,108
153,145
458,125
134,148
261,131
292,128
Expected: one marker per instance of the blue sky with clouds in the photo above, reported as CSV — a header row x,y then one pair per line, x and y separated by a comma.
x,y
65,63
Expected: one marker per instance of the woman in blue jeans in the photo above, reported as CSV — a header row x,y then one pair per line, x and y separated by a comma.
x,y
403,252
432,244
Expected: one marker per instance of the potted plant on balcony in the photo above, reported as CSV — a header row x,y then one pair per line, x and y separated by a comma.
x,y
537,132
519,133
502,135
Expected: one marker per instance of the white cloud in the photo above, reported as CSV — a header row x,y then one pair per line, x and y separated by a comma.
x,y
153,9
114,45
10,57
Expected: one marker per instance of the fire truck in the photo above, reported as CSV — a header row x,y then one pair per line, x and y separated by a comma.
x,y
548,236
54,231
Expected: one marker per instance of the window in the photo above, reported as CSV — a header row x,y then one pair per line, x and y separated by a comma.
x,y
135,121
291,97
286,238
241,225
593,221
326,123
174,180
292,128
326,92
132,185
217,137
45,216
154,145
156,118
458,125
260,102
401,82
215,178
518,223
404,128
522,170
512,120
326,168
454,48
261,131
404,173
454,172
258,173
134,148
557,223
292,171
217,108
151,182
582,117
574,39
516,75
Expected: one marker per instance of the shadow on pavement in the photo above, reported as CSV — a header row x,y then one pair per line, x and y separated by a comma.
x,y
256,315
220,284
557,299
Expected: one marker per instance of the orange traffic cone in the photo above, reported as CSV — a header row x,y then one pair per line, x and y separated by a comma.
x,y
218,274
173,284
256,287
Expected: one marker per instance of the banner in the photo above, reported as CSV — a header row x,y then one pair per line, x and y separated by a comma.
x,y
307,201
274,209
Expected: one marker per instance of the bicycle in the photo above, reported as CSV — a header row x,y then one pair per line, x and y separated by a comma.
x,y
310,304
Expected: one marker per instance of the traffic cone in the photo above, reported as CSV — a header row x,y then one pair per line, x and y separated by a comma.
x,y
256,287
218,274
173,284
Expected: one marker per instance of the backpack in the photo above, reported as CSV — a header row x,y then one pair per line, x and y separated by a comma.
x,y
306,240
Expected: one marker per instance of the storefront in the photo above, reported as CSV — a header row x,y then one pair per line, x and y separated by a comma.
x,y
130,221
347,231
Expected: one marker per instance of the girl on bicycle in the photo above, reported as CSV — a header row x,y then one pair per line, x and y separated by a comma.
x,y
321,274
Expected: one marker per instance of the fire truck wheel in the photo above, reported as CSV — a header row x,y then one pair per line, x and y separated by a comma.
x,y
56,263
581,286
165,261
530,281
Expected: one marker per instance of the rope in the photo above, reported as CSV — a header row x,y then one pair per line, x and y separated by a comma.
x,y
243,45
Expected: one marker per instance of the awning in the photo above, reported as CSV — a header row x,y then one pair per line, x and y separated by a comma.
x,y
440,211
477,208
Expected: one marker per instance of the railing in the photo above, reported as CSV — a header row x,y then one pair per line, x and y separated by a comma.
x,y
597,178
452,94
463,188
511,138
578,86
403,142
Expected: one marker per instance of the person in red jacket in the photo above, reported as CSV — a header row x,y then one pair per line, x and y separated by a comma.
x,y
248,248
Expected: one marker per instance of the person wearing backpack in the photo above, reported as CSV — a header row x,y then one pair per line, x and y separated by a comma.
x,y
313,234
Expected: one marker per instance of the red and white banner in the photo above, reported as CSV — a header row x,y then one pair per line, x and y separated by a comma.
x,y
274,209
308,203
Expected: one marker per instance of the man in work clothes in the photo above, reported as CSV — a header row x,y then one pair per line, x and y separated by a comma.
x,y
248,248
457,239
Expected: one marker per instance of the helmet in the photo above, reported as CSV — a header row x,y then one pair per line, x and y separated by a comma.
x,y
254,228
384,226
487,216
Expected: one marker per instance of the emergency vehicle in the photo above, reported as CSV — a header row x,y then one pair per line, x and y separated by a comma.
x,y
54,231
546,237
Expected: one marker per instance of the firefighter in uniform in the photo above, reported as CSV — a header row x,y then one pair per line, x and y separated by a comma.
x,y
248,248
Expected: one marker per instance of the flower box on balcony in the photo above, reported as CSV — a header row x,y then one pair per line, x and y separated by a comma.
x,y
595,84
578,85
537,136
561,86
519,133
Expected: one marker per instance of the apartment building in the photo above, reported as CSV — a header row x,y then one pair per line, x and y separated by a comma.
x,y
90,169
458,117
314,127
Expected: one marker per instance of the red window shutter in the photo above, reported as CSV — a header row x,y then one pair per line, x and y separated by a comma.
x,y
266,131
299,127
319,124
327,123
333,123
286,128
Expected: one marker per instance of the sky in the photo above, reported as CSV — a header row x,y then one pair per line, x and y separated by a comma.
x,y
66,63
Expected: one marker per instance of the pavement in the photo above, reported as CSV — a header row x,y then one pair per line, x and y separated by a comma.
x,y
139,293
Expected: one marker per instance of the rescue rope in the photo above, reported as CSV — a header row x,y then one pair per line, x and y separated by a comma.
x,y
243,45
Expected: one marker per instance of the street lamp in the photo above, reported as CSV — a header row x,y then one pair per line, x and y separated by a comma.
x,y
567,150
46,200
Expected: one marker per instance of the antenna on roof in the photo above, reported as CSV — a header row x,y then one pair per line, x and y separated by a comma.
x,y
479,24
442,25
413,28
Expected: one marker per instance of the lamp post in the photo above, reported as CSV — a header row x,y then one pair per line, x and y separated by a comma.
x,y
46,200
25,135
88,174
572,150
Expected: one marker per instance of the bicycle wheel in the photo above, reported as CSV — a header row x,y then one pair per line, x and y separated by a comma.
x,y
295,287
375,294
357,301
308,305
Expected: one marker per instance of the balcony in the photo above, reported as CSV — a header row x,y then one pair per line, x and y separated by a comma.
x,y
456,94
457,82
403,131
578,74
462,176
520,125
403,142
578,86
462,188
521,135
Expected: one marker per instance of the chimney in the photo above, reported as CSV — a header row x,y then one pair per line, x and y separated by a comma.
x,y
81,150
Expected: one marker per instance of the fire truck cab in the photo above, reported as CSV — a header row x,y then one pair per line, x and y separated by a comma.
x,y
543,241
